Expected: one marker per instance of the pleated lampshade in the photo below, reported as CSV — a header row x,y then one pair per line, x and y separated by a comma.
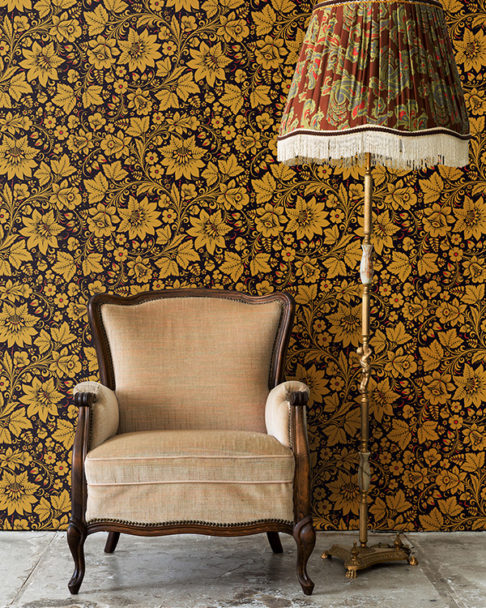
x,y
377,77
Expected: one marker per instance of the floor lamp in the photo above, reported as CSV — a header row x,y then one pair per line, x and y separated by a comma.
x,y
376,82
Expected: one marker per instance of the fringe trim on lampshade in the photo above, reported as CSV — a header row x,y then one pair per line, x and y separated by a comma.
x,y
386,148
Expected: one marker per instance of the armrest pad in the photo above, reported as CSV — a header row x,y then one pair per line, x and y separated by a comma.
x,y
104,411
277,410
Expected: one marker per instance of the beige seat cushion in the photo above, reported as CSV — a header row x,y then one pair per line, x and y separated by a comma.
x,y
224,477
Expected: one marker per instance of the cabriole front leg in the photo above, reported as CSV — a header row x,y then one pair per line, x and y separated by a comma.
x,y
305,537
76,535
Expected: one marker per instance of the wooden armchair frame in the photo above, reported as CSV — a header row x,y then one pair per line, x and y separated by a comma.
x,y
302,528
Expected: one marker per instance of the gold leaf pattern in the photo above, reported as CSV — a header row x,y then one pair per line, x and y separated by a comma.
x,y
137,151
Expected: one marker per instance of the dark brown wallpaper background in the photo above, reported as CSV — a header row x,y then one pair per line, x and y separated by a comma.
x,y
137,151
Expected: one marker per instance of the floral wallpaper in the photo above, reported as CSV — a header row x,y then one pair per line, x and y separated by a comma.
x,y
137,151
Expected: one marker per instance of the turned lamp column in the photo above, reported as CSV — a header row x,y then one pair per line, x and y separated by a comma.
x,y
364,352
364,556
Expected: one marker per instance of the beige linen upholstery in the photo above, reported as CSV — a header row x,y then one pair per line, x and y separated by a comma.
x,y
192,362
104,412
211,476
277,410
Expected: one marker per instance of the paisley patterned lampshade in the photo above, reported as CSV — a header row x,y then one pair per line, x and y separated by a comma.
x,y
378,77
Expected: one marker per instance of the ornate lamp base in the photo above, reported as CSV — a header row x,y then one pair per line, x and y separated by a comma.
x,y
359,558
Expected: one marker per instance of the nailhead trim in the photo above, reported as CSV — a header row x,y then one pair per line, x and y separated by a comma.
x,y
190,522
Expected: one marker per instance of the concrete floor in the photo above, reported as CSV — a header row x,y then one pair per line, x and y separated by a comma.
x,y
208,572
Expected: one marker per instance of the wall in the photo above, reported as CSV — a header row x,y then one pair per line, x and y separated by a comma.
x,y
138,152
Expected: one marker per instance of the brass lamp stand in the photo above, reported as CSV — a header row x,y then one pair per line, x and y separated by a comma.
x,y
359,558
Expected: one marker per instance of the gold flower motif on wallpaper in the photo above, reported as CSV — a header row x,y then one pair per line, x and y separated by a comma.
x,y
471,50
16,325
17,493
137,151
16,157
41,63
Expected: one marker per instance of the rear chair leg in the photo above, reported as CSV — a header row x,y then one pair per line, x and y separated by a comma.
x,y
111,541
274,540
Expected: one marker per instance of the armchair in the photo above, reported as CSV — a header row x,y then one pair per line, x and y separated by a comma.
x,y
192,429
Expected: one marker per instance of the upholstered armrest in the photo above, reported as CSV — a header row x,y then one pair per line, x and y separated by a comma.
x,y
103,406
277,410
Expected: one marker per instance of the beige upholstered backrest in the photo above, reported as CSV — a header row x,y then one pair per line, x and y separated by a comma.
x,y
191,362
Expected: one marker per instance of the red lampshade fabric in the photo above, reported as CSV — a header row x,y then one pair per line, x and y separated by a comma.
x,y
378,77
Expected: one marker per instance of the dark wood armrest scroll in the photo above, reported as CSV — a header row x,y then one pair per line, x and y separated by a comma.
x,y
84,399
298,398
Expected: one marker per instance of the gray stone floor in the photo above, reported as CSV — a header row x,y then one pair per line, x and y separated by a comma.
x,y
208,572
